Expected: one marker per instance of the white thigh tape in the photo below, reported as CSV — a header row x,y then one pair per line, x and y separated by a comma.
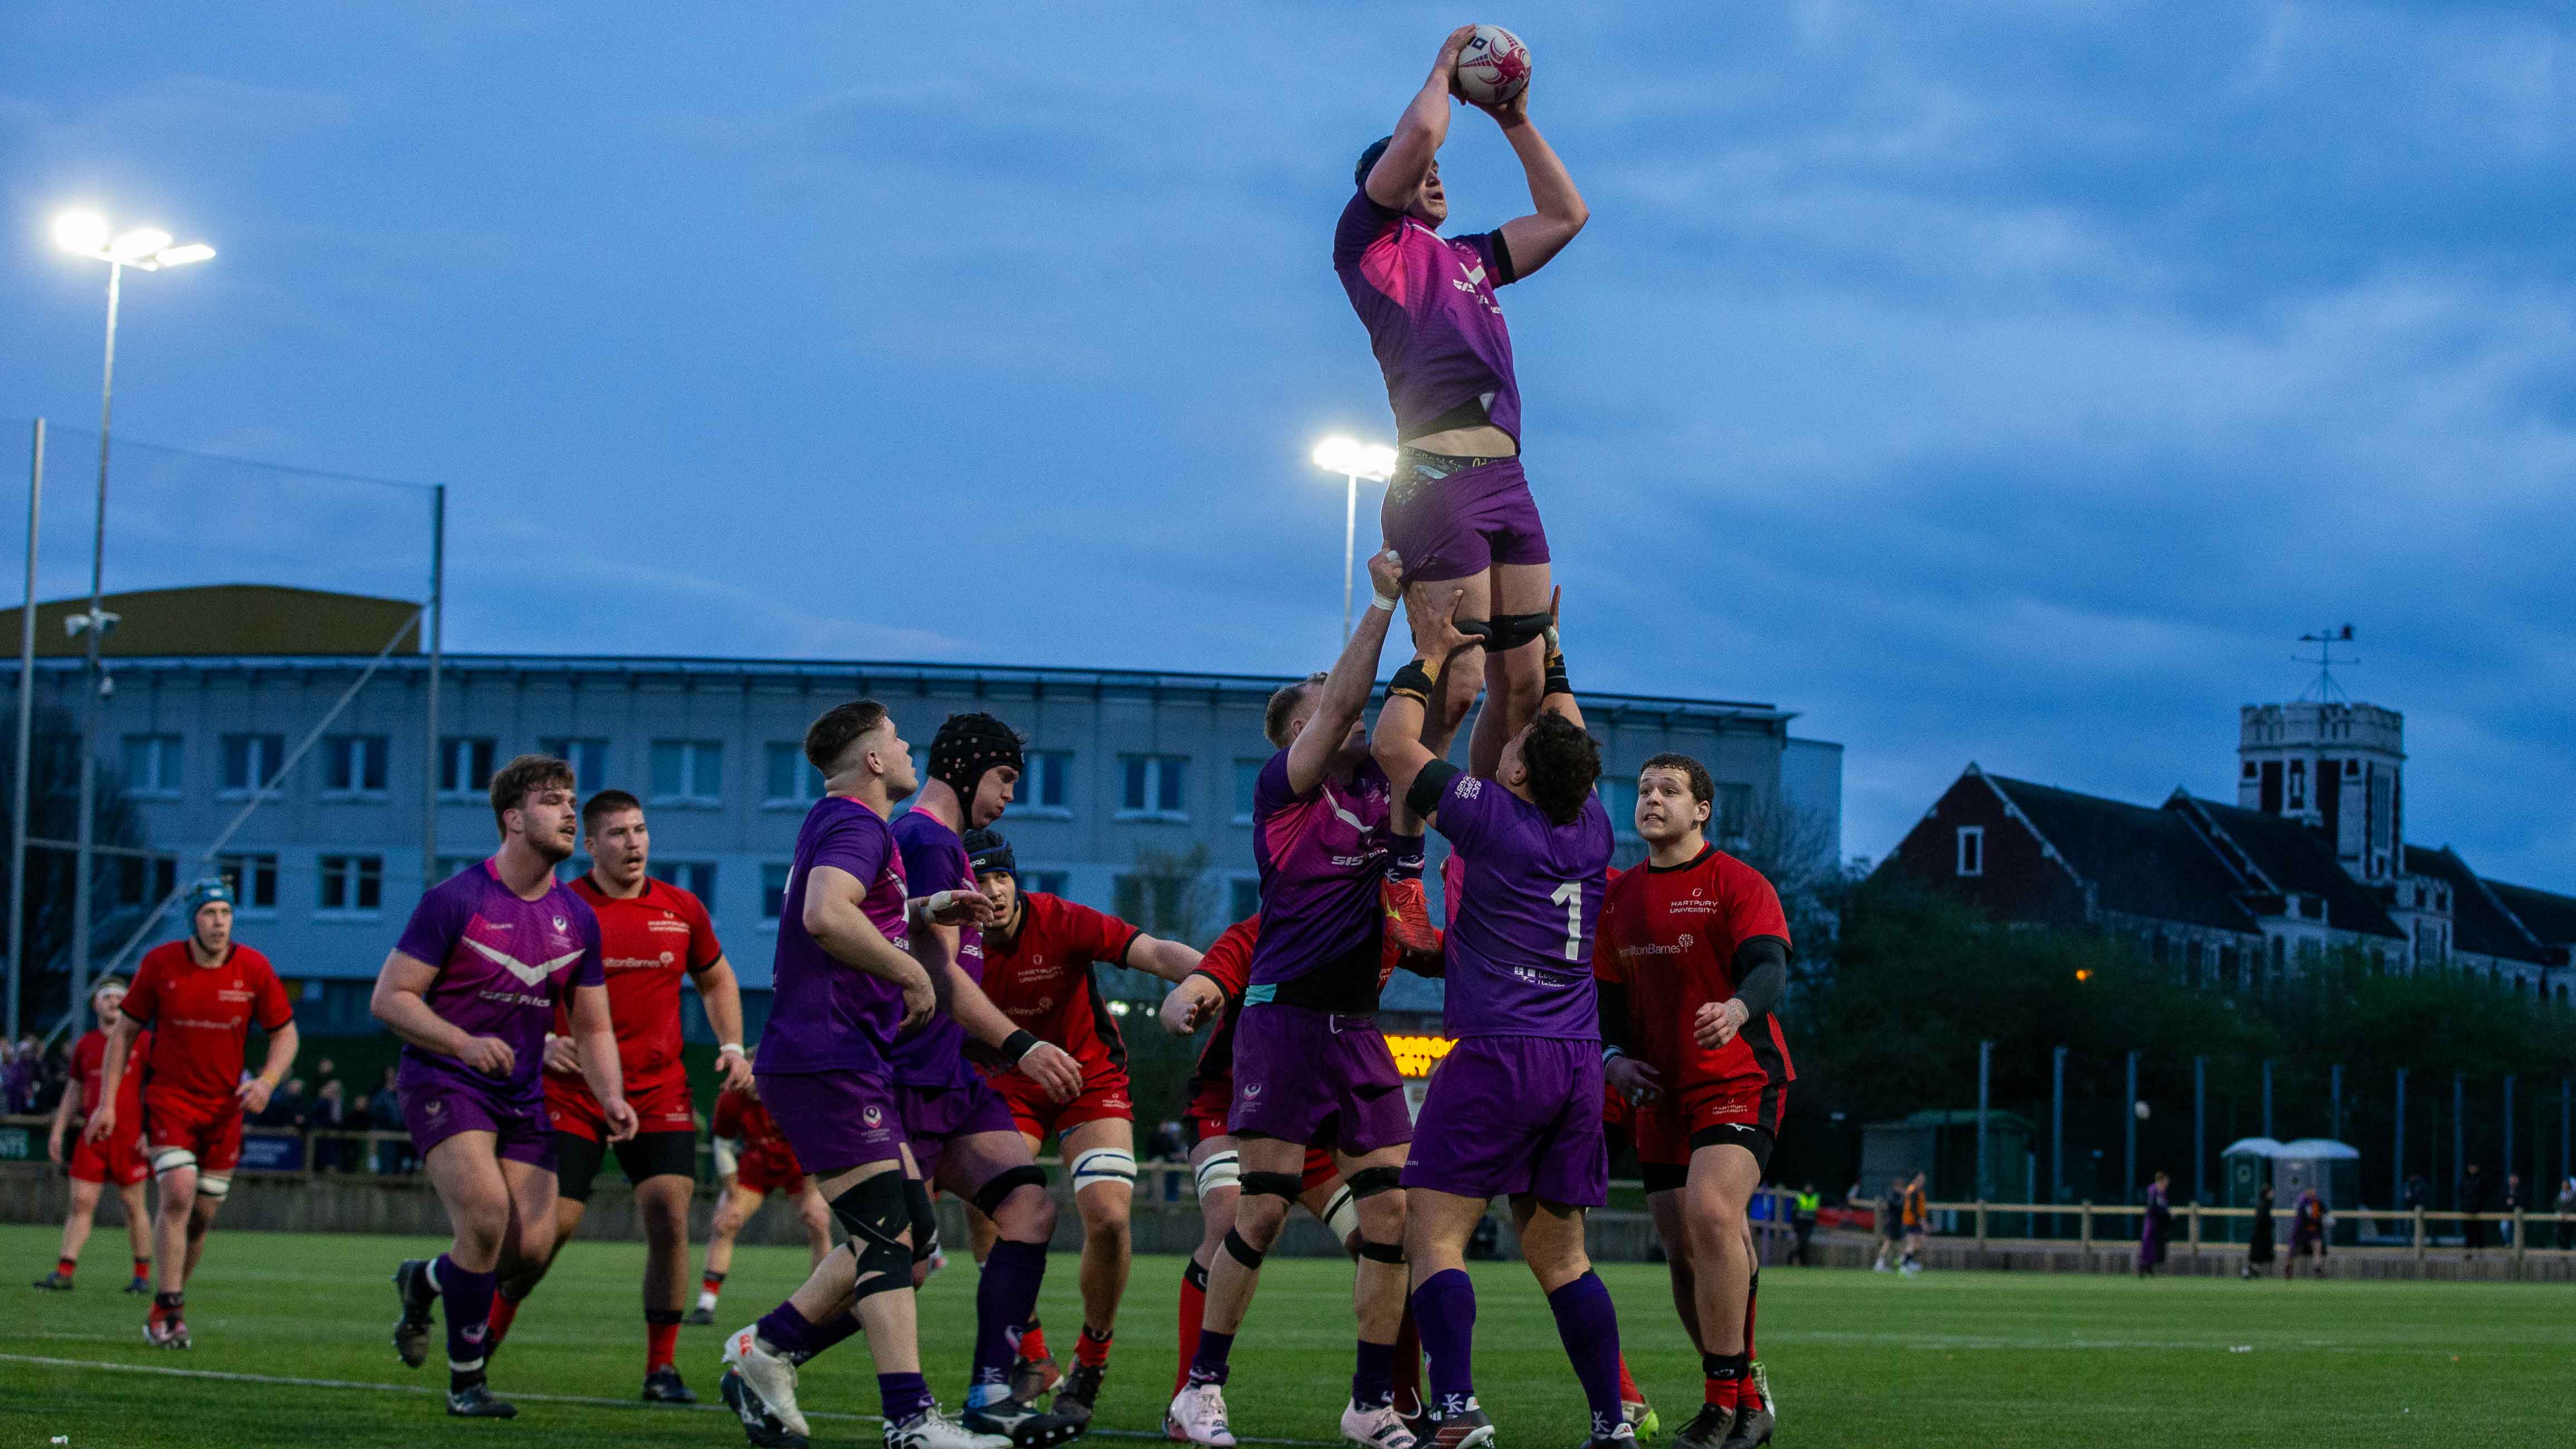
x,y
1221,1169
1104,1164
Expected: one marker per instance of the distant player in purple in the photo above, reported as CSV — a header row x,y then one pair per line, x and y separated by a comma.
x,y
471,989
1310,1067
1515,1108
1458,508
856,963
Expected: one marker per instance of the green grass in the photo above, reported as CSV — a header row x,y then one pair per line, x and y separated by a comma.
x,y
1859,1359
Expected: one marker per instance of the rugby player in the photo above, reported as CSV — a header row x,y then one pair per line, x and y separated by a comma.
x,y
1311,1068
757,1162
198,997
95,1165
1515,1108
651,933
471,988
1458,508
1692,960
846,984
1039,956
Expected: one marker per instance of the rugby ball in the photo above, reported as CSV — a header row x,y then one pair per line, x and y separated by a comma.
x,y
1493,66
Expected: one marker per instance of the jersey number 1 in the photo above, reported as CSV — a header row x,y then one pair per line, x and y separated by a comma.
x,y
1570,896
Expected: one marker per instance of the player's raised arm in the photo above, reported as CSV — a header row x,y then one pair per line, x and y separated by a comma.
x,y
1420,131
1345,693
1397,744
600,1066
400,1002
1556,694
834,918
1535,239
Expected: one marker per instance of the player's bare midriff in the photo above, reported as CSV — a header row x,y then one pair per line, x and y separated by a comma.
x,y
1482,441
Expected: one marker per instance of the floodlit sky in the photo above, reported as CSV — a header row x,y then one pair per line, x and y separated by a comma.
x,y
2008,382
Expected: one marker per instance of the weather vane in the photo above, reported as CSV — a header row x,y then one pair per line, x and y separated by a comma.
x,y
2325,690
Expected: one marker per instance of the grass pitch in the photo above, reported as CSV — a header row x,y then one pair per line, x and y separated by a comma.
x,y
1858,1359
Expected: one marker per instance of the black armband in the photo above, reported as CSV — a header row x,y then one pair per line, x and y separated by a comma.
x,y
1413,682
1557,682
1424,798
1504,272
1761,974
1017,1045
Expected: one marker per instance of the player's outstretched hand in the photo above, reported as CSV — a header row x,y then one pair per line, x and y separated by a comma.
x,y
54,1146
1052,1067
563,1056
489,1055
1444,66
1440,633
1187,1005
1717,1023
620,1117
253,1095
1386,573
735,1068
1633,1079
1507,114
101,1122
961,908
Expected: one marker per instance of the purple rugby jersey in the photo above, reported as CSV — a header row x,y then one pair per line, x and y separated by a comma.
x,y
502,964
1428,303
1321,856
1520,949
935,859
825,1016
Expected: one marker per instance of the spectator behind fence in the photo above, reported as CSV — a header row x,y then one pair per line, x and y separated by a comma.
x,y
2417,1194
384,1114
329,1115
2258,1251
19,1069
286,1109
2475,1197
2567,1213
2512,1202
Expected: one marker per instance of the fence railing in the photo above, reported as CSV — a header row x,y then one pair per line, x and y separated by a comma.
x,y
2197,1228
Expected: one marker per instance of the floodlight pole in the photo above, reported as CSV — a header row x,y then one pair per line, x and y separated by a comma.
x,y
436,628
2199,1126
91,628
26,727
2057,1125
1985,1080
2398,1150
2129,1182
1350,547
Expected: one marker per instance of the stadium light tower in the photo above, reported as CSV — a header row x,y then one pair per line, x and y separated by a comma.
x,y
1354,460
145,249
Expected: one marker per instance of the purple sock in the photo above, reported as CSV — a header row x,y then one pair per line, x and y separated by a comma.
x,y
1005,1296
1444,1313
469,1319
1373,1382
1590,1329
787,1333
1209,1366
903,1396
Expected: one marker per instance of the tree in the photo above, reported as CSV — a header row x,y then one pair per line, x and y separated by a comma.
x,y
1170,894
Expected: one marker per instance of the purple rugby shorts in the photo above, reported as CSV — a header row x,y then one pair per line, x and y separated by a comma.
x,y
835,1120
1316,1077
1514,1114
1456,524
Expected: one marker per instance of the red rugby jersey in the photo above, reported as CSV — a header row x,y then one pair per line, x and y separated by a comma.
x,y
200,1016
1042,978
647,942
1669,934
1228,963
89,1063
745,1118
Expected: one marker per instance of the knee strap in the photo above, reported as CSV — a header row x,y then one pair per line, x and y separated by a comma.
x,y
216,1185
1007,1181
1382,1252
1368,1182
1511,631
1273,1184
875,1214
1221,1169
925,1220
1342,1214
1104,1164
171,1159
1241,1251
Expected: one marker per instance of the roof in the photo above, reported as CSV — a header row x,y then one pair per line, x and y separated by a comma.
x,y
2251,1147
2292,856
2547,915
2480,923
223,619
1955,1117
2139,861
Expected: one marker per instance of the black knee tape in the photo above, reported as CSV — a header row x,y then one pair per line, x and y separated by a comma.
x,y
925,1219
1005,1182
1273,1184
1382,1252
875,1215
662,1316
1368,1182
1241,1251
1511,631
1195,1276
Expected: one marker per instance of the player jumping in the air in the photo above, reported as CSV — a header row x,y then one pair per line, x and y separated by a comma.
x,y
198,998
961,1129
1038,960
471,988
651,934
95,1165
1458,508
846,985
1515,1108
1311,1068
753,1160
1692,959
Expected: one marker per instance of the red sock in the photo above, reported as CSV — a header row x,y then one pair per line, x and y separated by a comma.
x,y
1408,1363
1090,1348
504,1309
661,1341
64,1266
712,1283
1628,1384
142,1267
1193,1313
1033,1342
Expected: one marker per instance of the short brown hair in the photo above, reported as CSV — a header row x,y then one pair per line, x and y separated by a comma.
x,y
1283,707
604,804
513,781
1563,762
829,737
1702,788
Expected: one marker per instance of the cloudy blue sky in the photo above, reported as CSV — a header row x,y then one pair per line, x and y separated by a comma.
x,y
2008,381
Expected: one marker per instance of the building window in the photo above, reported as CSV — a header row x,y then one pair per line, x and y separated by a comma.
x,y
353,765
1732,814
465,767
1243,898
688,772
2249,772
789,780
254,880
1247,783
152,766
773,890
697,877
1044,786
588,758
140,881
352,884
1046,882
1972,850
2298,784
1150,787
250,761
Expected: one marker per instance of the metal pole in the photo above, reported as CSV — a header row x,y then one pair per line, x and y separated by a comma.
x,y
2459,1134
1985,1074
437,631
2267,1096
2057,1125
1350,547
2129,1182
2397,1180
2199,1125
90,673
2566,1169
2335,1090
26,728
2506,1170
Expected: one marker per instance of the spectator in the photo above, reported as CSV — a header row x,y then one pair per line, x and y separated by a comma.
x,y
1891,1230
384,1114
2567,1213
330,1114
2512,1202
1802,1219
18,1071
2258,1251
2418,1193
2155,1227
286,1107
2475,1199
